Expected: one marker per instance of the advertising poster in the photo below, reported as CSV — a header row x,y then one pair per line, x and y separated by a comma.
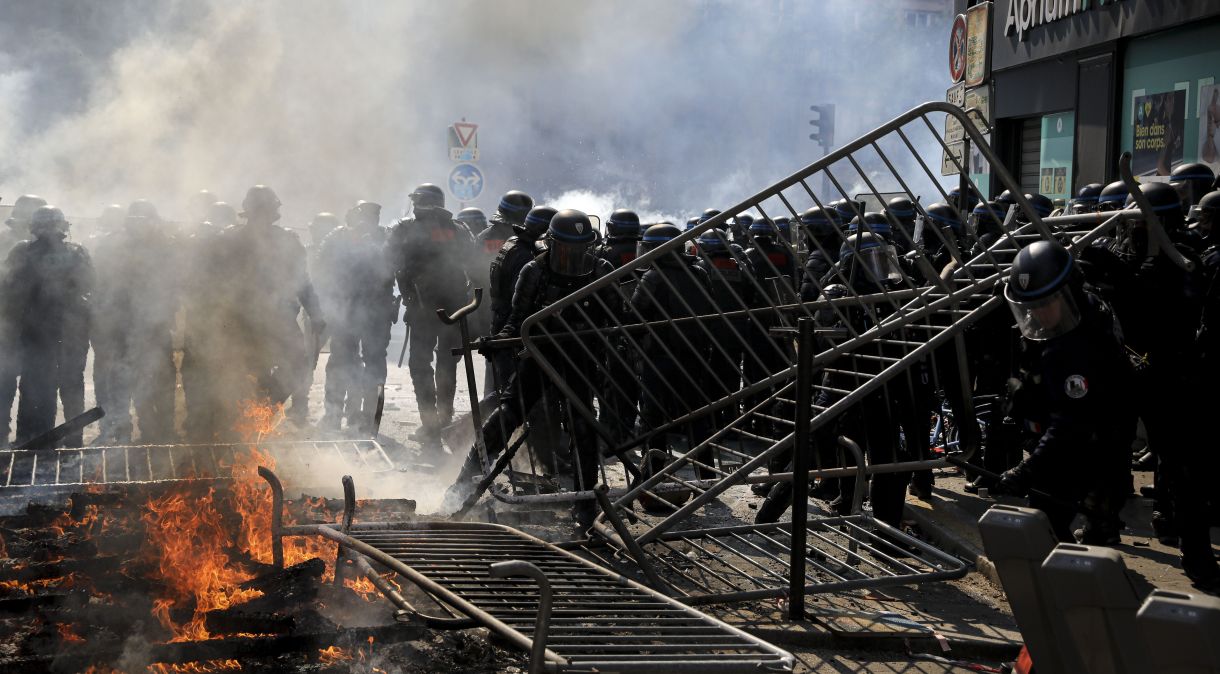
x,y
978,28
1209,125
1055,155
1159,121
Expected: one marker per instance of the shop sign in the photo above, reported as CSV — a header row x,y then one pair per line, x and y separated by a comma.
x,y
1024,15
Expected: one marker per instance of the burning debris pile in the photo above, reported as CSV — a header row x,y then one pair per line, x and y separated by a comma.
x,y
178,577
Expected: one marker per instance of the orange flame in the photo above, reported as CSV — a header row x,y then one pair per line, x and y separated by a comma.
x,y
191,543
200,667
67,633
333,655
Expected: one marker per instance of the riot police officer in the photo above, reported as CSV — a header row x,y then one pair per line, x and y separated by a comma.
x,y
822,233
431,256
619,393
137,300
739,226
1083,378
516,252
44,295
566,265
774,265
903,212
263,284
16,230
732,286
361,292
673,288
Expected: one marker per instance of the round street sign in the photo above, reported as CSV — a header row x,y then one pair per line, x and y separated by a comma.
x,y
957,48
465,182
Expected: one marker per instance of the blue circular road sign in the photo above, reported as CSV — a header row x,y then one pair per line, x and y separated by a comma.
x,y
465,182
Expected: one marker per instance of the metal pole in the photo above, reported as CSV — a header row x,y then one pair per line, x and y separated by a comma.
x,y
800,468
542,621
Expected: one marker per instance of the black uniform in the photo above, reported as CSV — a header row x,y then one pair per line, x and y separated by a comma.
x,y
430,254
1087,422
674,288
774,268
537,287
263,284
360,289
44,302
619,399
137,299
733,288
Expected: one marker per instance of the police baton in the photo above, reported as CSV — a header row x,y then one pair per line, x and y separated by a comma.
x,y
1053,500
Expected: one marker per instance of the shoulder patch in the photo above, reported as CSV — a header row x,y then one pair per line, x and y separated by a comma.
x,y
1076,386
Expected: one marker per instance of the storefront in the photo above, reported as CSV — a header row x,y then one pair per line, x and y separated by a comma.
x,y
1073,83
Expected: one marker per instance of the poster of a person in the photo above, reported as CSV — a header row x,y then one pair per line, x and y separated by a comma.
x,y
1209,125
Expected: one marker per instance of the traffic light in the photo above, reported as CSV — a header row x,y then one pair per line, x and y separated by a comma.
x,y
823,124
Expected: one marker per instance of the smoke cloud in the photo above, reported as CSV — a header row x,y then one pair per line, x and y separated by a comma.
x,y
669,107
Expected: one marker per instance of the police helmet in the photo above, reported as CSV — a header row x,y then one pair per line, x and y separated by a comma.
x,y
691,222
1006,199
656,236
1041,203
23,210
1165,202
1041,290
536,222
363,214
48,221
985,218
708,214
473,218
743,220
427,195
1086,198
1192,182
875,222
143,208
514,206
200,203
944,215
714,240
846,210
762,227
623,224
955,198
569,238
261,203
819,223
221,214
901,208
1112,196
111,219
784,224
872,254
1209,211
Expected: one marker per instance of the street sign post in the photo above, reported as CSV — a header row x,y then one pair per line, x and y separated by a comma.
x,y
465,182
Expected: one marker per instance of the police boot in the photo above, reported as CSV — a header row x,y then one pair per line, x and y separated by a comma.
x,y
464,485
776,503
1165,529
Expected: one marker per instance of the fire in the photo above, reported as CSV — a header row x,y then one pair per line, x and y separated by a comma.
x,y
41,585
200,667
333,655
190,541
67,634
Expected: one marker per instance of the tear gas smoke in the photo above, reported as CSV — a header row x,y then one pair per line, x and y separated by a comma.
x,y
671,106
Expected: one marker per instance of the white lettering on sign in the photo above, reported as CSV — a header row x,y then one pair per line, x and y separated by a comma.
x,y
1024,15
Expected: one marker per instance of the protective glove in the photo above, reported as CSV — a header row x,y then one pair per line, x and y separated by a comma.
x,y
1015,481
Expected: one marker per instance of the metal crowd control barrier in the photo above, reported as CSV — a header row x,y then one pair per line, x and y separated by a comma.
x,y
684,353
571,614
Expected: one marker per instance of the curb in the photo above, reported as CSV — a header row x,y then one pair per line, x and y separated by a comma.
x,y
953,544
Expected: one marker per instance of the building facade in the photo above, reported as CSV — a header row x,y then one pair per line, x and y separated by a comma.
x,y
1074,83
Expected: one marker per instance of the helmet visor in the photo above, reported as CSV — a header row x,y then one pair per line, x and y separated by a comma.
x,y
879,263
568,258
1046,317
